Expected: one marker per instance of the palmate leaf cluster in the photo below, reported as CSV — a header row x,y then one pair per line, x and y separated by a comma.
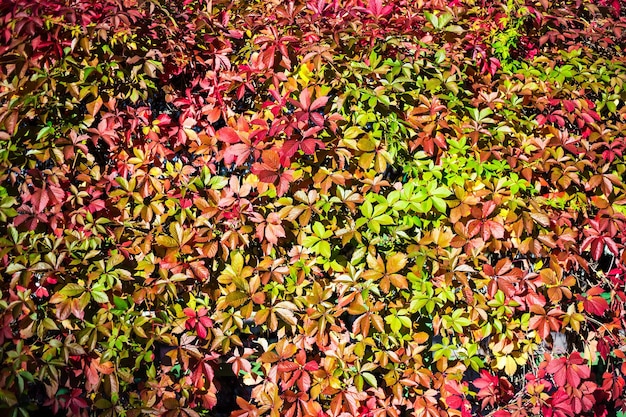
x,y
322,207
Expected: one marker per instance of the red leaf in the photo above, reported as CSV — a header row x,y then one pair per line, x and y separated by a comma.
x,y
202,331
583,399
559,405
310,145
237,153
495,229
206,321
305,99
488,386
273,232
287,366
568,370
266,175
199,270
56,193
288,150
594,303
319,102
228,135
304,382
267,171
39,199
77,311
488,208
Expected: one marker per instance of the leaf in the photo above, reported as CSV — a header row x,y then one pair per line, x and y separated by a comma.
x,y
319,102
285,310
94,107
238,153
439,204
45,132
72,290
287,366
40,199
568,370
237,298
99,296
7,397
593,302
318,229
228,135
510,366
370,379
432,18
396,262
166,241
310,145
171,403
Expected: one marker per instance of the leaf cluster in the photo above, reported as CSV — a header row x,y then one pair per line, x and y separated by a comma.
x,y
347,207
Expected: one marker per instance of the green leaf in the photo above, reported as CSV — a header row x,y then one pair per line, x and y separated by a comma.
x,y
361,221
103,404
439,204
13,268
455,29
318,229
476,363
72,290
370,379
406,321
324,249
432,18
134,96
45,132
424,206
310,241
379,209
99,297
441,192
440,56
384,219
367,209
353,132
395,324
444,19
120,303
462,321
7,397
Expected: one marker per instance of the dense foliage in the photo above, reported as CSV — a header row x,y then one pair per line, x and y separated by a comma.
x,y
322,207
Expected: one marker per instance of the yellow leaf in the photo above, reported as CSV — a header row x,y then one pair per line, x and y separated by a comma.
x,y
507,363
396,262
94,106
191,134
367,144
166,241
365,160
236,262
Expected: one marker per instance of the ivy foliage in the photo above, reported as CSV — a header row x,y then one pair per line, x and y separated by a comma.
x,y
321,207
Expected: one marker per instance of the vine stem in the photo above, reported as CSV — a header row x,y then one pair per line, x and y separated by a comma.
x,y
602,325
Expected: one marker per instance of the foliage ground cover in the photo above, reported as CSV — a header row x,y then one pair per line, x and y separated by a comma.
x,y
312,208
